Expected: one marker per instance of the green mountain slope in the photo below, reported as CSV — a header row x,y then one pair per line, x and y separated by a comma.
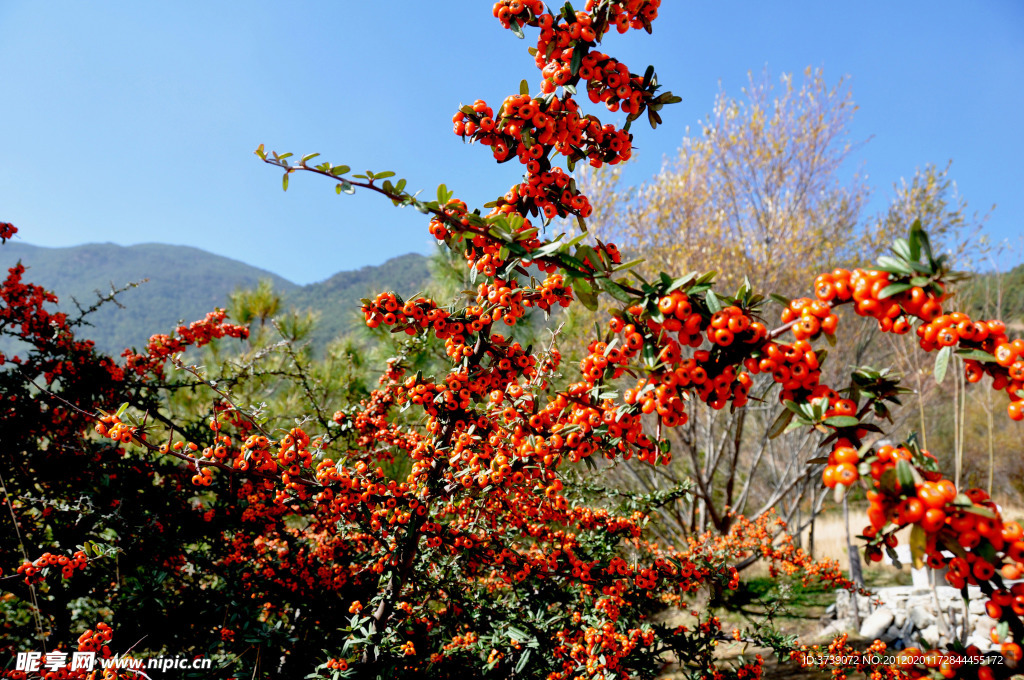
x,y
185,283
337,298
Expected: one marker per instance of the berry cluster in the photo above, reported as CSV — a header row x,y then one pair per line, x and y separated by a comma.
x,y
731,324
531,128
609,81
1007,369
626,14
552,191
197,334
793,366
810,317
33,571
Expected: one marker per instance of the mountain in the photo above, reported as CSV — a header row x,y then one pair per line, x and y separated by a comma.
x,y
337,298
185,283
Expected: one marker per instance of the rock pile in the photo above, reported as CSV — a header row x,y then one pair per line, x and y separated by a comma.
x,y
912,616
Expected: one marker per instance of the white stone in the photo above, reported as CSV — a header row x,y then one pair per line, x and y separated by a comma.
x,y
921,616
874,625
930,634
983,627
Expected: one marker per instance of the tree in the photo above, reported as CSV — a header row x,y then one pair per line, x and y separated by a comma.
x,y
448,514
758,197
757,194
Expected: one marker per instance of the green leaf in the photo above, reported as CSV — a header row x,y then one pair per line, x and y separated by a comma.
x,y
842,421
570,262
793,406
902,248
1002,629
714,306
893,289
547,249
942,363
627,265
913,244
585,253
976,354
653,118
384,175
340,170
894,266
284,182
308,157
517,30
979,510
524,87
517,634
905,476
442,194
521,664
918,232
650,358
780,424
578,53
616,291
585,293
648,74
781,299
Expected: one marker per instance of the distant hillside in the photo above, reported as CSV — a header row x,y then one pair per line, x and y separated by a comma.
x,y
185,283
337,298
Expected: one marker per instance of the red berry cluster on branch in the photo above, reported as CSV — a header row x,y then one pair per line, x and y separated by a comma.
x,y
33,570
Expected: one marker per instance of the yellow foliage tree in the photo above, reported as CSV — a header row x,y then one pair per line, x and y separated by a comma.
x,y
760,193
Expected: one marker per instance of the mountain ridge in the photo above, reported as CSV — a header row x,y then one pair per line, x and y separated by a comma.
x,y
185,282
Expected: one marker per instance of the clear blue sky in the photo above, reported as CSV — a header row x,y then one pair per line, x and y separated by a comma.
x,y
133,122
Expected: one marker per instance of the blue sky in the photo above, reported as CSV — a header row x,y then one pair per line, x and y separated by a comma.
x,y
132,122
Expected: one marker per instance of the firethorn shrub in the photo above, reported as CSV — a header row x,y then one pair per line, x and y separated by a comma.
x,y
444,525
